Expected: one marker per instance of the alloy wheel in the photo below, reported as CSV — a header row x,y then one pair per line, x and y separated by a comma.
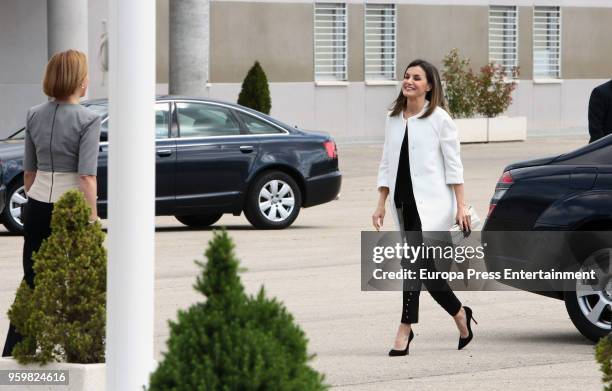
x,y
276,200
18,199
595,295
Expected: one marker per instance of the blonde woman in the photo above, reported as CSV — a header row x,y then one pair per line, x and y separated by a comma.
x,y
421,168
61,153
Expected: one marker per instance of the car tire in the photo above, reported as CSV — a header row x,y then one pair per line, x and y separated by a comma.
x,y
199,221
11,216
590,308
273,201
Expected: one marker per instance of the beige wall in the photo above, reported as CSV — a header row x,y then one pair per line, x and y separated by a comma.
x,y
163,39
525,43
430,32
586,39
355,42
280,36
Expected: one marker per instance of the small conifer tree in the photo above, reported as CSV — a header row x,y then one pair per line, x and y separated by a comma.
x,y
603,354
255,92
233,341
63,318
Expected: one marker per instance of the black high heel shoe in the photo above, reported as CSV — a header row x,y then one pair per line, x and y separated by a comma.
x,y
468,320
395,353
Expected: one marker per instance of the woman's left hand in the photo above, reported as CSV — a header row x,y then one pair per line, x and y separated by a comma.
x,y
463,218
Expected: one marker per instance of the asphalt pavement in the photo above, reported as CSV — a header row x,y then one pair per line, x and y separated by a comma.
x,y
522,341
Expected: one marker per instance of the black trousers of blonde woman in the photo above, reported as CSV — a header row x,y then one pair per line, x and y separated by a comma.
x,y
37,227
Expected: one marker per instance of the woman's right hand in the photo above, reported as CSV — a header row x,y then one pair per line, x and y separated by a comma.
x,y
378,217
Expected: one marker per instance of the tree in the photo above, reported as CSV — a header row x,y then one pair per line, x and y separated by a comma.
x,y
233,341
603,354
494,91
460,85
255,92
63,318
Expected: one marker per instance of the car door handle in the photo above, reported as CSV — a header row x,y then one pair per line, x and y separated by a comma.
x,y
164,152
246,148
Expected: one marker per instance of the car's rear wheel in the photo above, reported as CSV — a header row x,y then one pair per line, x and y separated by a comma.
x,y
15,199
199,221
590,305
273,201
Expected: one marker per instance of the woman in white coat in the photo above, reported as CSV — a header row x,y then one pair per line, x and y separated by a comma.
x,y
421,168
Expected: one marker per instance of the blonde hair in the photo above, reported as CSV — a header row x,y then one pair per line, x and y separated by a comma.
x,y
65,72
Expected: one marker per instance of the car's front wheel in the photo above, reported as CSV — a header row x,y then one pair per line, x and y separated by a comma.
x,y
589,306
199,221
11,215
273,201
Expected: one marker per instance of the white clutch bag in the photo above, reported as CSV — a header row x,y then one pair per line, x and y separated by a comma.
x,y
475,222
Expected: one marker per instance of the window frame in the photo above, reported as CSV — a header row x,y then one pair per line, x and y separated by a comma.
x,y
331,76
379,56
497,38
240,113
537,19
229,109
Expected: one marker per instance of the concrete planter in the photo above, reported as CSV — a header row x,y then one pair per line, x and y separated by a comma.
x,y
507,128
82,377
472,130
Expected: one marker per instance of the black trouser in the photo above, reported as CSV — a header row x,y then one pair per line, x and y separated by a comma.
x,y
37,227
410,223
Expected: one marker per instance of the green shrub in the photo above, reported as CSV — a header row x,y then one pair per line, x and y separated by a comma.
x,y
460,85
63,317
255,92
494,92
233,341
603,354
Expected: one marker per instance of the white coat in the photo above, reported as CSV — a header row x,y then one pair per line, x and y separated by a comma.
x,y
435,164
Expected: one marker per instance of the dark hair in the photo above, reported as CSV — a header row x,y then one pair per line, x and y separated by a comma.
x,y
435,96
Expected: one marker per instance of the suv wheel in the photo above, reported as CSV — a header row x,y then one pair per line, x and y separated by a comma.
x,y
590,305
11,215
199,221
273,201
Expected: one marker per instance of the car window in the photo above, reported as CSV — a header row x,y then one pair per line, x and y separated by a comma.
x,y
162,118
257,126
202,120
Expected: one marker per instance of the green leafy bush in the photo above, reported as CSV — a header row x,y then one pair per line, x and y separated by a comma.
x,y
63,318
460,85
255,92
494,91
603,354
233,341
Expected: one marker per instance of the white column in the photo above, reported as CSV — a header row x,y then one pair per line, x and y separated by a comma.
x,y
66,25
188,47
131,185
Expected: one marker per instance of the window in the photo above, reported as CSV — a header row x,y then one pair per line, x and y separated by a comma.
x,y
257,126
202,120
162,119
547,42
379,42
503,37
330,36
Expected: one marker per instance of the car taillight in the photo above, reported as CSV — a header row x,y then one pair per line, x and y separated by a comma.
x,y
330,148
503,184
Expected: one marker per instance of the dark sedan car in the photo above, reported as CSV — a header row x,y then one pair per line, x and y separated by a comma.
x,y
569,196
211,158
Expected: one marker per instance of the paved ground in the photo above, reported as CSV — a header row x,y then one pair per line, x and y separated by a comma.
x,y
522,341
